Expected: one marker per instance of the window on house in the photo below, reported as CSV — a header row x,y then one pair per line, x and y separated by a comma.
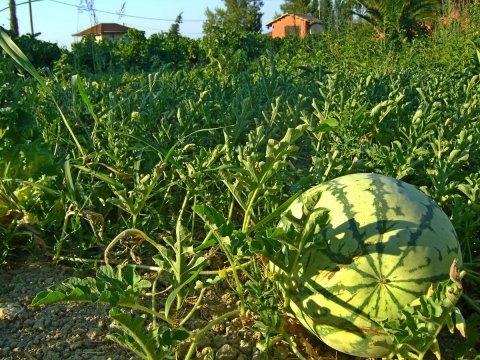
x,y
292,30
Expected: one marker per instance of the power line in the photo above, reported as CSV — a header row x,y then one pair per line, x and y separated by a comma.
x,y
82,8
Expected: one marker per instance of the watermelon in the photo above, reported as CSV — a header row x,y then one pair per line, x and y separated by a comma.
x,y
385,244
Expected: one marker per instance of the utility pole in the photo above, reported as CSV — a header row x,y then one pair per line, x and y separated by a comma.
x,y
31,17
13,17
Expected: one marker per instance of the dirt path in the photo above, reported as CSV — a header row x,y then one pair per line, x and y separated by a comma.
x,y
59,331
78,330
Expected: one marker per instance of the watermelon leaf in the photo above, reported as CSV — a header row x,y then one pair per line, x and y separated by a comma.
x,y
422,320
147,344
111,286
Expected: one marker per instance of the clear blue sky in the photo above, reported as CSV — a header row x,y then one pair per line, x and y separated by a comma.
x,y
57,20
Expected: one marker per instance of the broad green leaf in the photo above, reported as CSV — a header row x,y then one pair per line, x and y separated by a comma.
x,y
143,343
210,216
65,292
326,125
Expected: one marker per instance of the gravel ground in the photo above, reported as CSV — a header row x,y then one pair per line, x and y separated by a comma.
x,y
78,330
59,331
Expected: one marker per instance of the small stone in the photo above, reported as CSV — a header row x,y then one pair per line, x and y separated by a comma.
x,y
218,341
258,355
76,345
38,325
28,323
9,311
280,353
79,331
94,334
49,354
226,352
229,329
229,299
102,324
245,347
220,328
204,341
47,322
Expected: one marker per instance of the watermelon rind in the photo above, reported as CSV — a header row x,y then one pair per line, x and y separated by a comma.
x,y
386,243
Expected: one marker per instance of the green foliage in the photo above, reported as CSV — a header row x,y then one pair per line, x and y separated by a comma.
x,y
416,332
300,6
202,144
42,54
118,287
398,18
238,16
111,286
151,345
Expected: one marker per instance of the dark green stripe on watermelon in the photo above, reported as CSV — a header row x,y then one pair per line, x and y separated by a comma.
x,y
385,245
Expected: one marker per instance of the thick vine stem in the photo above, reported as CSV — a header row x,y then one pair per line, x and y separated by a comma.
x,y
154,289
153,313
293,347
129,233
194,308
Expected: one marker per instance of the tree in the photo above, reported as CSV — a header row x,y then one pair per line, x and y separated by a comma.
x,y
175,28
238,16
326,11
254,16
394,18
13,17
333,13
301,7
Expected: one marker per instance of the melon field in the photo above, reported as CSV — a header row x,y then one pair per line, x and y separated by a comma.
x,y
159,180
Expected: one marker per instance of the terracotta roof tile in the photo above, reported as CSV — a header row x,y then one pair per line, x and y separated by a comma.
x,y
311,19
103,28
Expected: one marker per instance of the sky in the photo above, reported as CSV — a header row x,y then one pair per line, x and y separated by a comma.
x,y
57,20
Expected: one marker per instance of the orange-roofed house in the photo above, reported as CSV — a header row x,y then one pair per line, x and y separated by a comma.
x,y
291,24
105,31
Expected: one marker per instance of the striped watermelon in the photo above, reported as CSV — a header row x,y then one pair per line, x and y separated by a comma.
x,y
386,243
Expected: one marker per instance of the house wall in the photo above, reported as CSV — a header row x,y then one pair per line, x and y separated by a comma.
x,y
278,28
108,36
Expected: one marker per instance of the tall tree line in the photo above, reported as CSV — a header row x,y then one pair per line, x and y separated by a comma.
x,y
238,16
333,13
